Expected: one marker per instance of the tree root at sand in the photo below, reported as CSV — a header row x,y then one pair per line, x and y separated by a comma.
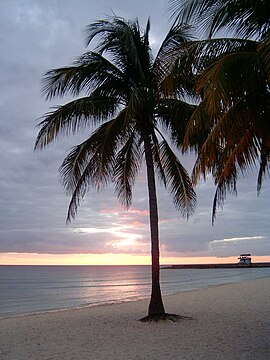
x,y
164,317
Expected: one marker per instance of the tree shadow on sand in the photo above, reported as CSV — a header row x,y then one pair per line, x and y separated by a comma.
x,y
165,317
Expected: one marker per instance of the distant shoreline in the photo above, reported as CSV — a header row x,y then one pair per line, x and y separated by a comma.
x,y
217,266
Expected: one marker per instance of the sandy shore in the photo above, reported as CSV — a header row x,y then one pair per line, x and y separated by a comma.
x,y
229,322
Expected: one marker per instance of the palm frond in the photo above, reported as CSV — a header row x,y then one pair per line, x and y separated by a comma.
x,y
264,52
226,159
146,33
74,165
224,185
233,159
223,84
242,155
84,167
127,165
178,181
174,115
234,102
233,136
93,161
202,53
177,36
197,129
124,43
264,165
156,156
71,117
189,60
89,72
246,18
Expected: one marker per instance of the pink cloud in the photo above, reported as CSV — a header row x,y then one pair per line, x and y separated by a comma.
x,y
139,212
125,213
136,224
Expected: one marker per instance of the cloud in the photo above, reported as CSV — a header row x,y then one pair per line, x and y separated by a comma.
x,y
237,239
257,245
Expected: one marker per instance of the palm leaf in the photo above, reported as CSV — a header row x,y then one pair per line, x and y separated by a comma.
x,y
245,17
177,36
174,115
156,156
202,53
228,184
223,84
127,166
197,129
264,164
190,59
71,117
90,72
264,52
239,157
178,181
93,161
123,42
224,137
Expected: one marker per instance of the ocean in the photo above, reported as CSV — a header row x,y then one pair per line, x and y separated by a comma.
x,y
31,289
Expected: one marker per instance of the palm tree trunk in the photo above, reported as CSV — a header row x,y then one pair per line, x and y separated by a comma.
x,y
156,305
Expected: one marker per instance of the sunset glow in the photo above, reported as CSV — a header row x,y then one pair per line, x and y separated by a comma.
x,y
110,259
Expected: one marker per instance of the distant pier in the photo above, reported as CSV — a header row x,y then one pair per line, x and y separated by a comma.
x,y
218,266
244,262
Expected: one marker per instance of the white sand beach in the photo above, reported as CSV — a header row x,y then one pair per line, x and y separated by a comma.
x,y
229,322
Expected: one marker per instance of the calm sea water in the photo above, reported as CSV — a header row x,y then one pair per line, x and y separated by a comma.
x,y
28,289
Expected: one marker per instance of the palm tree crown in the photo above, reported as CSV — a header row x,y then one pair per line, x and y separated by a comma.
x,y
124,98
233,80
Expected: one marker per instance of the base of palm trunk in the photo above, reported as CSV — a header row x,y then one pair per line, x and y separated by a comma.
x,y
164,317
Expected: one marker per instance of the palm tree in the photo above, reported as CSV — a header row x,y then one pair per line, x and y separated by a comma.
x,y
235,109
124,98
233,80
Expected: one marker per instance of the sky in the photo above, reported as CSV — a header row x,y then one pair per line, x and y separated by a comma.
x,y
37,36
